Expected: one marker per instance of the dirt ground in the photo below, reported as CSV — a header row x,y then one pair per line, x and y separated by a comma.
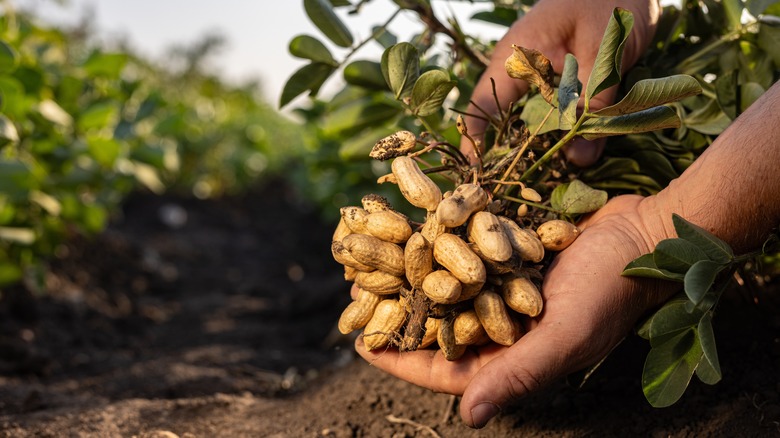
x,y
216,318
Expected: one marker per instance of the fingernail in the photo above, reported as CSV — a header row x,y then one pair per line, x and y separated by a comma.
x,y
482,413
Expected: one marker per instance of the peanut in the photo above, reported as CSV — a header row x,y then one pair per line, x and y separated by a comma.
x,y
342,255
494,317
350,273
416,187
522,296
388,226
446,340
431,332
358,312
394,145
468,329
441,287
497,268
455,210
557,235
456,256
341,230
388,318
373,203
488,234
355,218
432,228
524,241
379,282
371,251
530,194
389,178
418,259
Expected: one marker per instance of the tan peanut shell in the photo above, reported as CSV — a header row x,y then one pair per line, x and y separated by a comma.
x,y
393,145
341,230
350,273
468,328
389,178
470,290
415,186
431,332
488,234
456,256
355,218
446,340
379,282
418,259
358,312
373,203
522,296
557,235
530,194
374,252
441,287
514,264
495,318
388,318
388,226
524,241
342,255
455,210
522,210
432,228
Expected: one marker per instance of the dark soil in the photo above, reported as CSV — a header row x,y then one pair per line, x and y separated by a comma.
x,y
222,324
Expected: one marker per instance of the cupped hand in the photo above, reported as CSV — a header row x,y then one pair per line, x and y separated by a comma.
x,y
588,308
555,28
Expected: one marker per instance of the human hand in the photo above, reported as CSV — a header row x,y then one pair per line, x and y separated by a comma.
x,y
555,28
589,307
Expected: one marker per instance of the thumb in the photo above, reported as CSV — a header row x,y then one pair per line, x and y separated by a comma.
x,y
539,357
584,153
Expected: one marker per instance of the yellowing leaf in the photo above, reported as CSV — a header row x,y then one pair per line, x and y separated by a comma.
x,y
533,67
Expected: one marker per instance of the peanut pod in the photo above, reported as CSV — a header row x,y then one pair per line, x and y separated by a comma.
x,y
341,230
441,287
524,241
357,313
431,332
379,282
522,296
374,252
350,273
446,339
418,259
557,235
373,203
514,264
495,318
530,194
388,226
415,186
486,231
342,255
468,329
432,228
388,318
393,145
455,255
455,210
355,218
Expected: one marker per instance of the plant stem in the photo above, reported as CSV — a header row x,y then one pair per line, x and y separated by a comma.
x,y
530,203
734,34
566,138
373,36
522,150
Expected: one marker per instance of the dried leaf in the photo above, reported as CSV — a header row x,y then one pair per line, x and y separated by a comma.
x,y
531,66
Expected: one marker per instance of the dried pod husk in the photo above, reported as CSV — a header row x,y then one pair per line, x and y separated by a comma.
x,y
388,226
388,318
468,329
416,186
418,259
431,332
342,255
357,313
495,318
522,296
432,228
355,219
446,340
389,178
455,210
441,287
341,230
394,145
524,241
485,230
379,282
530,194
374,252
350,273
455,255
373,203
557,235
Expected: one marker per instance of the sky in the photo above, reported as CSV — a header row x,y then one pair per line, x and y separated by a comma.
x,y
257,32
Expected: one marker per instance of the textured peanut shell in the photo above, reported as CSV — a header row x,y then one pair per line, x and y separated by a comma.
x,y
495,318
557,235
418,259
514,264
525,242
388,226
446,340
466,199
355,218
530,194
388,318
488,234
379,282
373,203
441,287
468,329
341,230
350,273
374,252
522,296
342,255
431,332
432,228
357,313
456,256
415,186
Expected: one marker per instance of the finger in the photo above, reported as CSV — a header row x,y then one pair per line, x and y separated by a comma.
x,y
429,368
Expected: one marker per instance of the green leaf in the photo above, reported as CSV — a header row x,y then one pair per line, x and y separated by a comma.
x,y
308,47
580,198
401,68
749,93
660,117
699,279
709,119
649,93
534,112
677,255
384,37
356,116
321,13
669,368
310,78
645,266
500,16
556,197
726,88
716,249
8,132
16,179
9,58
612,167
671,320
568,93
94,217
105,64
429,92
98,116
733,9
709,368
606,69
10,274
359,146
655,165
366,74
769,41
104,150
757,7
